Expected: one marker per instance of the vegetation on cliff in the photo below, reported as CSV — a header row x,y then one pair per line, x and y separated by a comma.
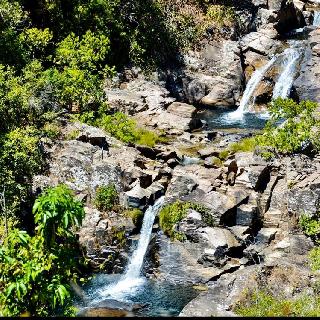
x,y
36,270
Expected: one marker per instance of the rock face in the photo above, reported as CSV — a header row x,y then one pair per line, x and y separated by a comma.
x,y
212,77
307,84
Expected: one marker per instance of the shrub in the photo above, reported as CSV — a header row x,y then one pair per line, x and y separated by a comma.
x,y
136,215
106,197
120,126
299,127
172,213
221,15
244,145
314,257
224,154
310,225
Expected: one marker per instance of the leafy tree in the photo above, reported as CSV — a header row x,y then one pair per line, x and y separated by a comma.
x,y
298,128
20,159
88,53
35,271
36,41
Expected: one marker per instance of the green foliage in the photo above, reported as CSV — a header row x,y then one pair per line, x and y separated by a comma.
x,y
121,127
310,225
300,126
221,15
244,145
20,159
51,130
224,154
72,135
136,215
106,197
87,53
172,213
217,162
76,88
35,273
36,41
263,304
314,257
55,212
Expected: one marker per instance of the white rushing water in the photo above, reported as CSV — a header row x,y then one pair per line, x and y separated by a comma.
x,y
252,84
316,18
132,279
282,87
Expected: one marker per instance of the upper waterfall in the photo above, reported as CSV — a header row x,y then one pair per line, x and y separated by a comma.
x,y
316,18
289,68
254,81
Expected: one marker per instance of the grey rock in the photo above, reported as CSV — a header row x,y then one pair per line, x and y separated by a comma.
x,y
246,214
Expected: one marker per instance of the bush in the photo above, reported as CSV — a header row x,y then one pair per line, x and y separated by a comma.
x,y
172,213
35,271
300,126
311,226
106,197
221,15
244,145
121,127
264,304
136,215
314,257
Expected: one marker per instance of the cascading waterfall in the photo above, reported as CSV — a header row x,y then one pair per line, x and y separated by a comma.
x,y
316,18
289,63
131,279
251,87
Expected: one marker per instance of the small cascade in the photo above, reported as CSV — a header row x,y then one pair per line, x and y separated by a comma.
x,y
289,69
131,279
316,18
250,88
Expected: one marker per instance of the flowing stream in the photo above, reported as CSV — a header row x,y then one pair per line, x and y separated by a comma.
x,y
132,279
250,88
316,18
289,69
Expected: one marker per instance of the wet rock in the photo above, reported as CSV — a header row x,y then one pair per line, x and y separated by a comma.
x,y
180,186
221,295
212,75
104,312
136,197
178,263
190,225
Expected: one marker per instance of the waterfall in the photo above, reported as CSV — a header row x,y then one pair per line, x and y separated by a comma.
x,y
284,83
254,81
131,279
316,18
